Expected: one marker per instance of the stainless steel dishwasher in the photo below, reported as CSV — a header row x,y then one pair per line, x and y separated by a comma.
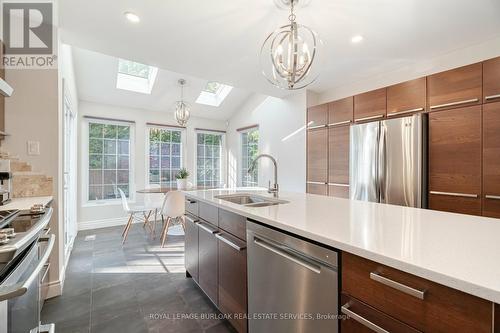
x,y
292,283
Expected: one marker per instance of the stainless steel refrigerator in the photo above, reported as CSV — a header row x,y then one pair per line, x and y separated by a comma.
x,y
388,161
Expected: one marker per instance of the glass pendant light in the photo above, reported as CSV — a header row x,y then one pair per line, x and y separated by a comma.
x,y
181,107
289,56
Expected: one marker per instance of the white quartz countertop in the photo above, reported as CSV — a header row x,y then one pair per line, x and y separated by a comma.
x,y
26,203
458,251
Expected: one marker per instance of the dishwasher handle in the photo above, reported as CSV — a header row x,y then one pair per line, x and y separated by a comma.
x,y
287,255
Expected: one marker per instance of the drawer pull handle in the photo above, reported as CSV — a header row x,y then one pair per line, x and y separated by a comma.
x,y
191,218
405,111
316,183
398,286
230,243
472,100
493,197
340,123
363,321
453,194
487,98
206,228
338,184
317,126
370,118
191,201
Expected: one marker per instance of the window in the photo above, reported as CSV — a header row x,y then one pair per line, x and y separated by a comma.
x,y
214,94
109,160
165,155
136,77
249,151
209,159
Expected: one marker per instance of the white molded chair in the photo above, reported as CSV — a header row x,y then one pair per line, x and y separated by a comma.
x,y
154,202
135,213
173,211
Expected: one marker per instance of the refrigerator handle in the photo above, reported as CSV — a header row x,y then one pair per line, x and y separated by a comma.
x,y
382,155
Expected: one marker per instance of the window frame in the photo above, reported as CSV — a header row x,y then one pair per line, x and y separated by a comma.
x,y
241,168
86,158
148,152
222,155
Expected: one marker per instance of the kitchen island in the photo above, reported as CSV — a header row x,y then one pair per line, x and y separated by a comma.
x,y
461,252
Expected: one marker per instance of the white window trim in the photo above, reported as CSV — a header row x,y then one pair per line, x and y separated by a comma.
x,y
222,158
146,139
240,155
85,164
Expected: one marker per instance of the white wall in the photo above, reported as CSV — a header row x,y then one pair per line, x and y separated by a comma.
x,y
476,53
95,215
282,135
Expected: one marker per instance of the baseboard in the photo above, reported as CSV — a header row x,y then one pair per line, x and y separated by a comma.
x,y
105,223
55,289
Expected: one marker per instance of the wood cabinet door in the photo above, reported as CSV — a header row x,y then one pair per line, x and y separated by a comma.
x,y
338,191
317,155
317,115
321,189
191,246
370,106
491,80
491,159
233,280
407,97
338,155
207,255
455,88
341,111
455,160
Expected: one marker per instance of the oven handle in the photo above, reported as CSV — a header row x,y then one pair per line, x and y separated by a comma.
x,y
20,288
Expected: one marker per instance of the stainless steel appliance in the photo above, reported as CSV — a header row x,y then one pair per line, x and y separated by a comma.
x,y
387,161
292,283
23,265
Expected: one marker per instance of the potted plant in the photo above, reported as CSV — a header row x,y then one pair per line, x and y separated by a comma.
x,y
181,177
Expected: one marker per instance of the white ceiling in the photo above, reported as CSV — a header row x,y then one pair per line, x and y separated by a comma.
x,y
220,39
96,75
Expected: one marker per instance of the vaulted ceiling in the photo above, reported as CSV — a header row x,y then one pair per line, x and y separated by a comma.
x,y
220,39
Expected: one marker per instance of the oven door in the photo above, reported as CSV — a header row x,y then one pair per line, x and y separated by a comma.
x,y
20,291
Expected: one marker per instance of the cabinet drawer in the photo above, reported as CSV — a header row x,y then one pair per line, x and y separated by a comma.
x,y
208,260
208,213
192,206
422,304
363,318
455,88
233,223
191,246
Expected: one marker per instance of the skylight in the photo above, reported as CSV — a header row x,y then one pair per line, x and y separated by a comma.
x,y
214,94
136,77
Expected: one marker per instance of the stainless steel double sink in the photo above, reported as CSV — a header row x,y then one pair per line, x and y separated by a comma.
x,y
250,200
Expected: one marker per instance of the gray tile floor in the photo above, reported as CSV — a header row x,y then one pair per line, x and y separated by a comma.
x,y
138,287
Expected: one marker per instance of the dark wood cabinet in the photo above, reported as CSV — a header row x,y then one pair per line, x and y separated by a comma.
x,y
455,160
407,97
233,280
317,155
338,155
191,246
491,160
341,111
317,115
358,314
436,308
370,106
455,88
491,80
338,191
321,189
208,260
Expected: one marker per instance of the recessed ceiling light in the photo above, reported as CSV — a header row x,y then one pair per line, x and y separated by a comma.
x,y
132,17
356,39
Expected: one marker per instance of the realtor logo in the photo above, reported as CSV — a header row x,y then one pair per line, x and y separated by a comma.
x,y
27,28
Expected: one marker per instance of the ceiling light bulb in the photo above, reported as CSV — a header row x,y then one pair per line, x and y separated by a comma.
x,y
356,39
132,17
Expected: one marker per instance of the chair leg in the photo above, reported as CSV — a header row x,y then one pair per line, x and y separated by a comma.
x,y
154,223
147,222
127,228
165,231
126,225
